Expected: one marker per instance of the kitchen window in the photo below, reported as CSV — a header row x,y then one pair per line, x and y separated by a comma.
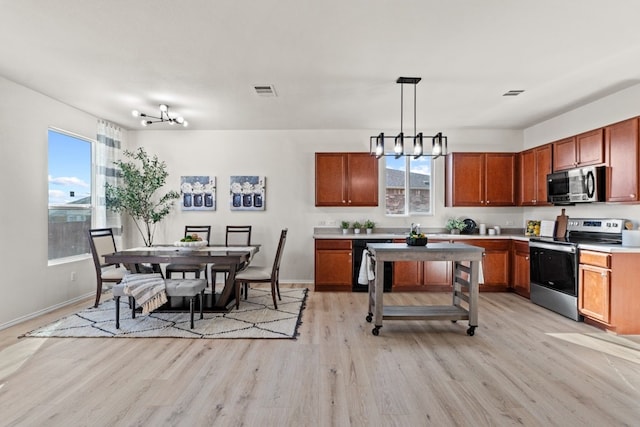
x,y
70,194
408,193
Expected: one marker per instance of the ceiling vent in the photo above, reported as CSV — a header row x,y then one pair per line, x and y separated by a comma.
x,y
513,92
265,90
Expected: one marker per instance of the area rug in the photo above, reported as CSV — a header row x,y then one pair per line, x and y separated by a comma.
x,y
256,318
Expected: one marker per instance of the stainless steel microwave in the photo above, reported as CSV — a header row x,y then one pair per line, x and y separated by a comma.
x,y
580,185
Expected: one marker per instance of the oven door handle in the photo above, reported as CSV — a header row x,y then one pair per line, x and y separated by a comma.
x,y
552,247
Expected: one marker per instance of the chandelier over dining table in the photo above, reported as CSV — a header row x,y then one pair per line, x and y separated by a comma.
x,y
438,141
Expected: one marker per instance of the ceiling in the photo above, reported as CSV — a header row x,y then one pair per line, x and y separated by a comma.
x,y
333,63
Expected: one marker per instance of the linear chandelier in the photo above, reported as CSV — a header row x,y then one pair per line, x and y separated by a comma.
x,y
164,117
438,141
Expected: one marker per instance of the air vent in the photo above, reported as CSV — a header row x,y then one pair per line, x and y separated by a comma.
x,y
513,92
265,90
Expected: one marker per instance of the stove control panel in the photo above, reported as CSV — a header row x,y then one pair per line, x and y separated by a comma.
x,y
596,225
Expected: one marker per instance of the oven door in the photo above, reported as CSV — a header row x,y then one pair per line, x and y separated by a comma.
x,y
554,266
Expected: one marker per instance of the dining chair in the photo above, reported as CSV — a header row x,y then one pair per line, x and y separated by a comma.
x,y
102,242
203,231
236,235
255,274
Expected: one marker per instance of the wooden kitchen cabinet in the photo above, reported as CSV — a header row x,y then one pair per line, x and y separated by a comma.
x,y
480,179
608,295
623,157
580,150
595,285
333,265
411,276
534,166
495,263
520,261
346,179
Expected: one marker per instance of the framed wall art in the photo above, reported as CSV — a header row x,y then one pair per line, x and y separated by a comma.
x,y
198,193
247,193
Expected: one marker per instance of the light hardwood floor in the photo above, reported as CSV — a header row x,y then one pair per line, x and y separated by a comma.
x,y
524,366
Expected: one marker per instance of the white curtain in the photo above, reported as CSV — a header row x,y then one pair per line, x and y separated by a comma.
x,y
110,140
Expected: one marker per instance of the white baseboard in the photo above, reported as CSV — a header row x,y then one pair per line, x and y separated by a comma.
x,y
45,311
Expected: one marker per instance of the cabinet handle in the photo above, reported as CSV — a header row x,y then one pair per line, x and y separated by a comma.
x,y
603,274
633,196
527,258
488,202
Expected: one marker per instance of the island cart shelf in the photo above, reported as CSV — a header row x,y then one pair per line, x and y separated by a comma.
x,y
466,261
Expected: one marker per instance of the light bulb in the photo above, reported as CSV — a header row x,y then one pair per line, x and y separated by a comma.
x,y
437,149
185,123
180,120
143,123
164,108
135,113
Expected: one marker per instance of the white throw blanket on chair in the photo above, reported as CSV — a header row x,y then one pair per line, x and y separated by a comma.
x,y
148,290
366,269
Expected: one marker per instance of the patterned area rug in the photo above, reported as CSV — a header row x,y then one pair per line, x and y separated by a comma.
x,y
256,318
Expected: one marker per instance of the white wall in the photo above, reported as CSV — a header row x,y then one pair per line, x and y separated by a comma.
x,y
28,285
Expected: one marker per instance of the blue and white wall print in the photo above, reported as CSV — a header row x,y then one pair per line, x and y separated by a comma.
x,y
247,193
198,193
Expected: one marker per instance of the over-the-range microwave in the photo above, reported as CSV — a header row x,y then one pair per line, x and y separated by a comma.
x,y
579,185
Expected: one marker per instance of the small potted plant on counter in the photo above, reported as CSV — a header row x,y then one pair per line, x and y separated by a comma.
x,y
455,226
345,226
368,225
356,227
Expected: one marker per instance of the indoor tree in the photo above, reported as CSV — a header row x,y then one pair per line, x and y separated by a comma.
x,y
140,178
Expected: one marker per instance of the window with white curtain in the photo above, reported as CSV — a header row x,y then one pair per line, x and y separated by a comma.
x,y
70,194
408,193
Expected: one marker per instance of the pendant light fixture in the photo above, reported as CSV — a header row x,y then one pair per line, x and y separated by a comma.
x,y
164,117
438,141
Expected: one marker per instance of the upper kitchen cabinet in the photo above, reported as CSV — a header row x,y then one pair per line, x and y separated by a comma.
x,y
580,150
346,179
535,165
480,179
621,141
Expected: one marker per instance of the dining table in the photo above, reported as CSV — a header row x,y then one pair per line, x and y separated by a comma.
x,y
235,256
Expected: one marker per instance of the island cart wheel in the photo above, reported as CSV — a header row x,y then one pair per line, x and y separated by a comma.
x,y
471,330
369,317
376,331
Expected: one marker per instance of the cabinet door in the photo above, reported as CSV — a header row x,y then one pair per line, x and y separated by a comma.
x,y
495,264
622,156
437,276
362,182
543,168
521,279
594,292
590,148
500,169
527,178
464,179
331,179
564,154
407,276
333,265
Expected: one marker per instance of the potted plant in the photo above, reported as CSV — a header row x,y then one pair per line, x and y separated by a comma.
x,y
455,226
356,227
137,192
345,226
368,224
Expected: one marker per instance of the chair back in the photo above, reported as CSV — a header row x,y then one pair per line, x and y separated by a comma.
x,y
276,263
238,235
102,243
203,231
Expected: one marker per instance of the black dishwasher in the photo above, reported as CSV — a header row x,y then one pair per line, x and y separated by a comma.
x,y
358,246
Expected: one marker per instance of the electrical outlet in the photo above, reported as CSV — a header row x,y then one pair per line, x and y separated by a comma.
x,y
73,276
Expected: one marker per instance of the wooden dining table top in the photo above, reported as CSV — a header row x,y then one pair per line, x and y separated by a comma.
x,y
171,254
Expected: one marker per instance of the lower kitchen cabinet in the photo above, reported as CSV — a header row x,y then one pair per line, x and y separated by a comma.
x,y
495,264
520,262
411,276
333,265
608,294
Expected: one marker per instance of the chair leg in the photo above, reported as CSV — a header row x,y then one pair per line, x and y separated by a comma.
x,y
246,290
191,309
202,304
117,299
98,293
132,304
273,294
237,286
278,289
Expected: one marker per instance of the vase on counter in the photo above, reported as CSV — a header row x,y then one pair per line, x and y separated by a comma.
x,y
356,230
345,230
454,231
369,230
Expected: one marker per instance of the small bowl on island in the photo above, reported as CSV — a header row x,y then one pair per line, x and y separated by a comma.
x,y
417,240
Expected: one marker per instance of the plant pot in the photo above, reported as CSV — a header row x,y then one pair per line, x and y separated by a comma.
x,y
356,230
345,230
369,230
454,231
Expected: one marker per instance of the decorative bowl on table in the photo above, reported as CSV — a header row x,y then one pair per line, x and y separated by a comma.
x,y
190,245
417,240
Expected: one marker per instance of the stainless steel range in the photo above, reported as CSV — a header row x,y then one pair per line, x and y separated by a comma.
x,y
554,262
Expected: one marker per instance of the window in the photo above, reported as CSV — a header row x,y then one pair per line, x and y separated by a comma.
x,y
69,194
416,184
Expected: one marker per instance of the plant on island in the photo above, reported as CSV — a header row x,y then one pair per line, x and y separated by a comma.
x,y
455,224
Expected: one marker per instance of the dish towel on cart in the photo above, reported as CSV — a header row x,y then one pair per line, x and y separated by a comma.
x,y
148,290
366,269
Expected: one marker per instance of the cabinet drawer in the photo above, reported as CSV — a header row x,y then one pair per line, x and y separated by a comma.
x,y
333,244
598,259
